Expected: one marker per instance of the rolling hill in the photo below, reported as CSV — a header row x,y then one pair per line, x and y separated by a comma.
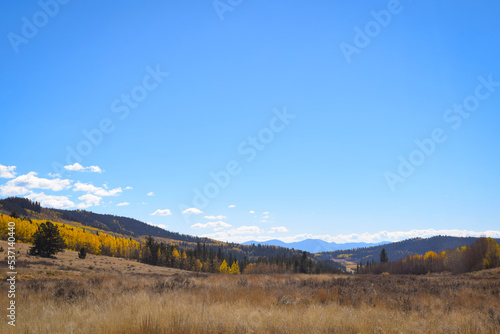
x,y
116,224
399,250
136,229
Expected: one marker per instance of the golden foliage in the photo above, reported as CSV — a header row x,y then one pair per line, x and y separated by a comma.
x,y
75,238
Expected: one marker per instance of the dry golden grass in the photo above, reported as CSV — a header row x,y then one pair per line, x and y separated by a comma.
x,y
174,301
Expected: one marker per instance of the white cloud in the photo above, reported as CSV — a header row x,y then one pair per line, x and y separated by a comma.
x,y
11,190
21,184
89,188
236,234
217,226
252,212
194,211
150,194
88,201
232,206
54,175
265,217
366,237
56,202
220,217
7,172
278,229
123,204
263,221
158,225
76,167
159,212
128,188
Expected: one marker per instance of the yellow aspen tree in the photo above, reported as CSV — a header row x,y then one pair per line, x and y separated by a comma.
x,y
183,259
492,258
223,268
198,265
235,268
176,256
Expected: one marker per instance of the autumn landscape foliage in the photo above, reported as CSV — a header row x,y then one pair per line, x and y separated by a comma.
x,y
214,258
483,254
124,285
122,296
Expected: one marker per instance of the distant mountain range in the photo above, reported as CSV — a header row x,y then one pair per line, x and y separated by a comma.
x,y
315,245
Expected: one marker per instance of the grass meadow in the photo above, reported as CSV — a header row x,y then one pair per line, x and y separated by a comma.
x,y
110,295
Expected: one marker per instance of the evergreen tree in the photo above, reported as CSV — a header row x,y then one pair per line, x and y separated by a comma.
x,y
83,253
47,240
383,256
303,263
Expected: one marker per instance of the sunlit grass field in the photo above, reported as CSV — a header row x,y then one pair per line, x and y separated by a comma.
x,y
56,297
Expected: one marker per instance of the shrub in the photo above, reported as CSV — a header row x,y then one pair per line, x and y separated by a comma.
x,y
83,253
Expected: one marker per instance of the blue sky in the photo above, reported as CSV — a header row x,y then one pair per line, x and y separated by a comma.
x,y
251,120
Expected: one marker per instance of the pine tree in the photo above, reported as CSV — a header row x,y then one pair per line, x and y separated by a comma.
x,y
83,253
47,240
383,256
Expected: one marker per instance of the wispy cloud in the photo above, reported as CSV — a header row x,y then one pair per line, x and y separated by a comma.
x,y
21,184
128,188
150,194
123,204
89,188
278,229
354,237
7,172
193,211
252,212
217,226
220,217
76,167
89,200
51,201
159,212
232,206
236,234
158,225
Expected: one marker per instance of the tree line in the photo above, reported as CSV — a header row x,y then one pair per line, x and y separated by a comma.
x,y
49,238
208,258
483,254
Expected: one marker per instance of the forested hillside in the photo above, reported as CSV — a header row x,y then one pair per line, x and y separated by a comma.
x,y
23,207
83,229
399,250
484,253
